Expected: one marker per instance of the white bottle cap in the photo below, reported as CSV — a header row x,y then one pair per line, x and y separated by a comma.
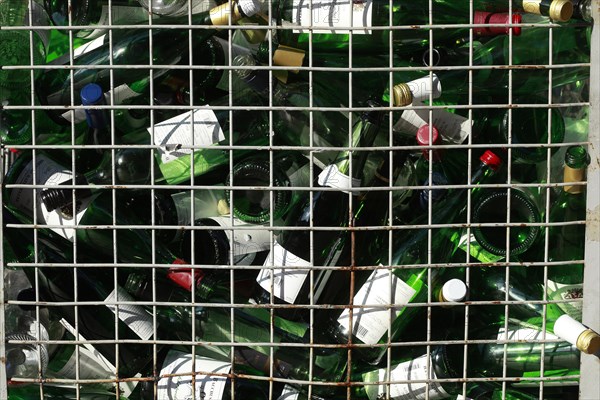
x,y
422,88
568,329
250,7
454,290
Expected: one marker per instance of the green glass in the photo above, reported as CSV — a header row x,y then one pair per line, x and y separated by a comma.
x,y
567,242
523,359
92,13
404,285
376,14
213,331
325,209
492,208
130,47
58,392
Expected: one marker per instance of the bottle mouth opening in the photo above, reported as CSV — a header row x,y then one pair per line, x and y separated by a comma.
x,y
493,210
254,205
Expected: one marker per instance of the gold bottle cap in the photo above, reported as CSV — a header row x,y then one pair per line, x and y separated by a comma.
x,y
561,10
573,175
402,95
219,15
589,342
286,56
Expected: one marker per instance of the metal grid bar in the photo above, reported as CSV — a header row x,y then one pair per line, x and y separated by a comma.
x,y
590,254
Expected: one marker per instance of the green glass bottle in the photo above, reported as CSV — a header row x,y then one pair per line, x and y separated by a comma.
x,y
130,47
94,13
331,24
491,284
491,207
214,334
402,285
176,8
325,209
582,10
523,357
58,392
290,169
567,242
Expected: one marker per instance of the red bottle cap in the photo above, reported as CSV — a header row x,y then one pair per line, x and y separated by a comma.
x,y
185,277
423,140
491,160
483,17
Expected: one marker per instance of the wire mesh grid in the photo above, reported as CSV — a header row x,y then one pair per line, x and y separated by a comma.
x,y
110,310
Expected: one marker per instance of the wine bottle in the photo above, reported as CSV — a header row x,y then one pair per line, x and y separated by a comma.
x,y
491,283
330,25
402,285
93,322
59,392
566,242
486,359
492,208
251,325
582,10
177,8
251,205
129,48
328,248
60,363
95,14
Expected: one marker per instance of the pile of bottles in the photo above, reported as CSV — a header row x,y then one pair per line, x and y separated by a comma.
x,y
253,199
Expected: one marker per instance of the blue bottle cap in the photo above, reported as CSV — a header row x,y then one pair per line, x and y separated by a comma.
x,y
91,94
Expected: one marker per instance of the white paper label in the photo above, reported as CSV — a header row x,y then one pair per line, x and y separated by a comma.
x,y
91,366
125,387
332,177
286,282
370,324
524,334
236,50
176,133
244,241
47,173
453,128
559,291
411,371
121,94
424,88
289,393
180,387
133,315
327,15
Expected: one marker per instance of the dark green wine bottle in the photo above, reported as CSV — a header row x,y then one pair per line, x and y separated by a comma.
x,y
402,285
329,247
130,47
566,242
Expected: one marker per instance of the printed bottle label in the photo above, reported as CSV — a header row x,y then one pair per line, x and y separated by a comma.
x,y
236,50
121,94
559,291
328,15
91,366
370,324
184,366
406,372
289,393
133,315
244,241
47,173
523,334
286,282
453,128
178,132
332,177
